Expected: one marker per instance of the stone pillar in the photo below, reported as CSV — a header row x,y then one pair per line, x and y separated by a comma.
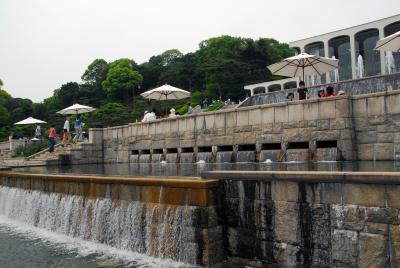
x,y
96,136
326,54
382,53
353,56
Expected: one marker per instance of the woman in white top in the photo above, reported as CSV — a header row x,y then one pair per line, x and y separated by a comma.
x,y
66,135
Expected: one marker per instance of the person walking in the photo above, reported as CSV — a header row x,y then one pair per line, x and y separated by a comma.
x,y
66,135
38,132
52,138
78,128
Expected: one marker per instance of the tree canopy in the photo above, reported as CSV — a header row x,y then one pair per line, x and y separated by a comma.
x,y
217,70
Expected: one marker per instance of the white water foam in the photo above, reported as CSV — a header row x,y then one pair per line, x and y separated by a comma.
x,y
68,222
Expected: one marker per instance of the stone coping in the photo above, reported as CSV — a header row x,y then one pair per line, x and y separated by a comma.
x,y
308,176
175,182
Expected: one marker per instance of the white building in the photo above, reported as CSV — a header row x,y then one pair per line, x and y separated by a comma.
x,y
347,45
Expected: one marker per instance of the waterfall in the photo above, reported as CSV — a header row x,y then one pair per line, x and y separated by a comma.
x,y
389,62
245,156
360,66
152,229
334,74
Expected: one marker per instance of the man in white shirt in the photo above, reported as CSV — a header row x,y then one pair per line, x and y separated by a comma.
x,y
67,135
149,117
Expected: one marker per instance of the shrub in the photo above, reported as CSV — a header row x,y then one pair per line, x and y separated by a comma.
x,y
30,148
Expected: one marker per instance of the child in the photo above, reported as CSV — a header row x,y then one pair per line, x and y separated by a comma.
x,y
303,91
52,138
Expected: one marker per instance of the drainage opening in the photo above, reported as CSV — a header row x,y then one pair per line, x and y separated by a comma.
x,y
147,151
204,149
271,146
246,147
326,144
157,151
225,148
298,145
172,150
187,150
135,152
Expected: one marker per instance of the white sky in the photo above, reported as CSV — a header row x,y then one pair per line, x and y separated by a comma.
x,y
45,43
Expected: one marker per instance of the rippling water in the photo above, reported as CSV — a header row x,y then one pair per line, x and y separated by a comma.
x,y
196,169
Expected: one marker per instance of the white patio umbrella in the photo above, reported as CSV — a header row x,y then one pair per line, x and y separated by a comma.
x,y
304,64
166,92
76,109
389,43
30,121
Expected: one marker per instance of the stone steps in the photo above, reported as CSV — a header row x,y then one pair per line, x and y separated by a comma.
x,y
51,158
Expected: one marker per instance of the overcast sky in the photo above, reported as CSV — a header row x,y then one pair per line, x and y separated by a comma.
x,y
45,43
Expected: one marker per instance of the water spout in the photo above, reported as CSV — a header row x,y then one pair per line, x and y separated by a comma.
x,y
360,66
389,62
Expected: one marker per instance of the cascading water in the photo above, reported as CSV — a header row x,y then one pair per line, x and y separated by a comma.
x,y
360,66
151,229
390,62
245,156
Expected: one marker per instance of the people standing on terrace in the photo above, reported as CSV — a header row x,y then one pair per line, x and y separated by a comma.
x,y
321,93
330,92
149,117
172,114
302,91
290,96
190,108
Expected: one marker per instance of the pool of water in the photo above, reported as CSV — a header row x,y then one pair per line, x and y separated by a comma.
x,y
196,169
26,246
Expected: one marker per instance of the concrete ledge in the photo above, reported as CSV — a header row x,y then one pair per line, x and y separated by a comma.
x,y
176,182
311,177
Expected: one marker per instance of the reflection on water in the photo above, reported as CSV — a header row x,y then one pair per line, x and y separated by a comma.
x,y
196,169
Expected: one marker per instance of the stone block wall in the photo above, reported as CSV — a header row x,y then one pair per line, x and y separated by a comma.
x,y
363,127
377,125
311,219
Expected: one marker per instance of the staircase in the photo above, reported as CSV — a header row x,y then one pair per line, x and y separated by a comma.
x,y
5,154
46,158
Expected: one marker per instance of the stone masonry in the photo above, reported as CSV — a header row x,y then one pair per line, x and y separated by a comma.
x,y
363,127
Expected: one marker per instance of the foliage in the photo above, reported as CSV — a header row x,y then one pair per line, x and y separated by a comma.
x,y
31,148
121,77
110,114
215,106
217,70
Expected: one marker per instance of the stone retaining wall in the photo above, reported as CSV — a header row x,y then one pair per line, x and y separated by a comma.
x,y
311,219
364,127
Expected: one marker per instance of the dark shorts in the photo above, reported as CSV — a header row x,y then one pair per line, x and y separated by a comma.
x,y
65,131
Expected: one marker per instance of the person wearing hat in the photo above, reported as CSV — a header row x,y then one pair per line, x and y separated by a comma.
x,y
172,114
146,117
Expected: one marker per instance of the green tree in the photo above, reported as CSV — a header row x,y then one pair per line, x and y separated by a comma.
x,y
110,114
68,93
96,72
121,79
